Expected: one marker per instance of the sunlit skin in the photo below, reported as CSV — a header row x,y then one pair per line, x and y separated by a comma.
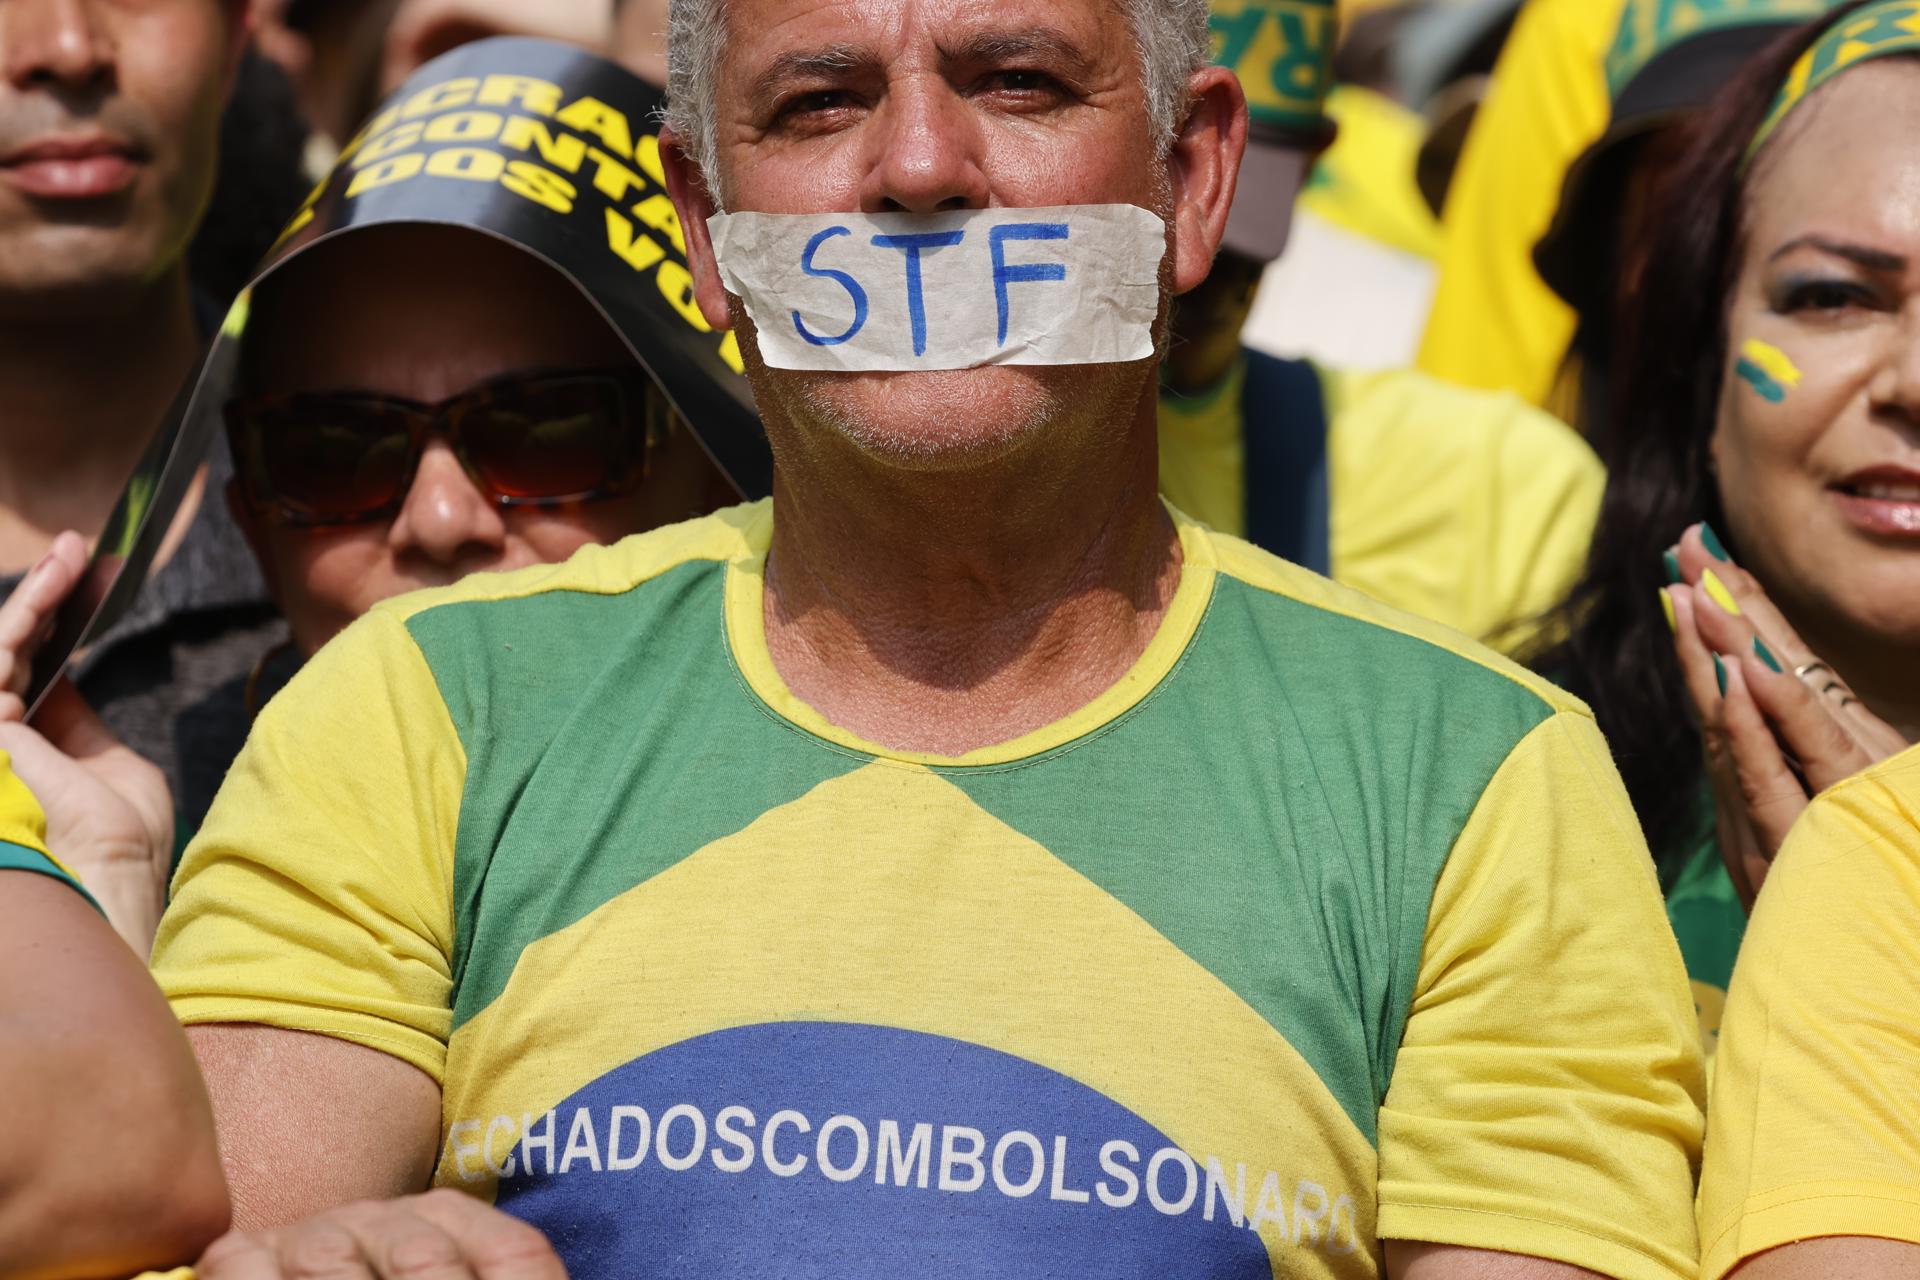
x,y
1831,277
959,557
107,139
422,30
931,116
640,39
424,313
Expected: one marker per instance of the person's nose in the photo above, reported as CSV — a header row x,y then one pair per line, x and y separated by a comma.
x,y
55,43
926,153
445,519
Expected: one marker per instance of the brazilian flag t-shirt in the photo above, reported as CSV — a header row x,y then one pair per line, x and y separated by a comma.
x,y
1321,927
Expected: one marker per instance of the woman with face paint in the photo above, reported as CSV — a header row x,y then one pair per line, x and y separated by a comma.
x,y
1748,628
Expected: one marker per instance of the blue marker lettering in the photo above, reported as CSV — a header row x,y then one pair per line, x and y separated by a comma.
x,y
846,281
1022,273
916,303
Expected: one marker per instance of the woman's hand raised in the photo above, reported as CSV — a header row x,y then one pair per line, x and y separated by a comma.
x,y
1779,725
109,813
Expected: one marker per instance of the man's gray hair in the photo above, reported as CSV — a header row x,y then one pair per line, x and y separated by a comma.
x,y
1171,35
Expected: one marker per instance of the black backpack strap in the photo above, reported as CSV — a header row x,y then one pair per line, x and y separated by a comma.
x,y
1283,412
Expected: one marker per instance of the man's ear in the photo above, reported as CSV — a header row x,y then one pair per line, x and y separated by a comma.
x,y
1204,163
692,201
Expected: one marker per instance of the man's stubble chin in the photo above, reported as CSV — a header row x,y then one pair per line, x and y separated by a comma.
x,y
945,420
78,270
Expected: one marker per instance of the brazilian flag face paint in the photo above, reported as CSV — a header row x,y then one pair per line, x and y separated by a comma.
x,y
1877,31
1767,369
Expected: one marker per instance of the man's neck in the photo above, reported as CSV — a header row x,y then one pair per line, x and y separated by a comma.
x,y
943,613
83,396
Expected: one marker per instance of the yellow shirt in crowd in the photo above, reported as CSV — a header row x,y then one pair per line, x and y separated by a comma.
x,y
1364,183
1815,1127
1469,508
1494,322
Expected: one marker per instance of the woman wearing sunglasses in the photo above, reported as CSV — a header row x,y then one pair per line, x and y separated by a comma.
x,y
416,403
419,403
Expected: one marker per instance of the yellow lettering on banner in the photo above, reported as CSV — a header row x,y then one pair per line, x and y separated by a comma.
x,y
440,97
465,126
638,251
646,153
590,115
538,96
676,286
564,152
470,163
369,131
657,212
542,186
390,143
302,218
386,173
612,178
730,352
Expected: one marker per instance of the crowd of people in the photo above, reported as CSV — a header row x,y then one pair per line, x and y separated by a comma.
x,y
1367,728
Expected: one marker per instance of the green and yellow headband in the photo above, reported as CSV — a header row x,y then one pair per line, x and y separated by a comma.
x,y
1877,31
1648,28
1282,50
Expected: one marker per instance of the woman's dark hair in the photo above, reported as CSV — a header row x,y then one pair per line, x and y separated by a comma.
x,y
1669,362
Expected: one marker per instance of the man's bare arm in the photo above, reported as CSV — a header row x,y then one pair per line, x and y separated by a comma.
x,y
309,1123
1837,1258
1409,1261
110,1161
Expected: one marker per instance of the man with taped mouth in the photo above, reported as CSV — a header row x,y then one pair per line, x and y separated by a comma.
x,y
960,863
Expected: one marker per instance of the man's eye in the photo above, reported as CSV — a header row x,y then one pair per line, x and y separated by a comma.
x,y
815,103
1022,82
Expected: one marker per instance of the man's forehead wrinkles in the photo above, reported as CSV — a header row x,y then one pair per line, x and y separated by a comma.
x,y
992,46
828,62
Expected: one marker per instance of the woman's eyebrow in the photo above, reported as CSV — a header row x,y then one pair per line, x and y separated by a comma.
x,y
1871,259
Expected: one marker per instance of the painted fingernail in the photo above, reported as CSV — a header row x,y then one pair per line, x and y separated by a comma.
x,y
1666,607
1720,674
1672,563
1711,541
1766,656
1718,593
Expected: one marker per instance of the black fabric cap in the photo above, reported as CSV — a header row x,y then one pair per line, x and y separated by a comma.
x,y
1576,254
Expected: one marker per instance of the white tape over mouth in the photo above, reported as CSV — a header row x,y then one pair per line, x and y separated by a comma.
x,y
890,292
